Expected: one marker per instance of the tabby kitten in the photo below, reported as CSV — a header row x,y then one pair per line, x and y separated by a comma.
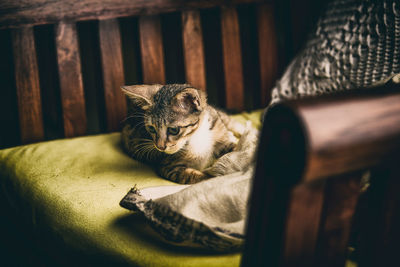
x,y
173,128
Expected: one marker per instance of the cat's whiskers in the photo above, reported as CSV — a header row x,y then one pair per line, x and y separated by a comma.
x,y
138,146
139,151
144,148
151,152
142,145
142,139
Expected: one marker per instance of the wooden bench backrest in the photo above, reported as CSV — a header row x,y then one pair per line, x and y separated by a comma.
x,y
22,16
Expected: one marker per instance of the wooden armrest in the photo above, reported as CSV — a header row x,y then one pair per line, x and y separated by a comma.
x,y
302,143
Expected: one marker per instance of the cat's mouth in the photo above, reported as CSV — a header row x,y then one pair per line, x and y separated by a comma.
x,y
169,149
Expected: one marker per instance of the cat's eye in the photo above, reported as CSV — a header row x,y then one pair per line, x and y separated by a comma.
x,y
173,130
151,129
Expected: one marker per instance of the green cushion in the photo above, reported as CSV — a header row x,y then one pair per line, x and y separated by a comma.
x,y
68,191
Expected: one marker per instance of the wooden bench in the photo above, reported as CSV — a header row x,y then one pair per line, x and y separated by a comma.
x,y
307,184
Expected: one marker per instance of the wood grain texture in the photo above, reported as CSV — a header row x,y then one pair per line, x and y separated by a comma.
x,y
193,49
268,50
337,146
340,203
302,225
152,52
232,58
27,83
113,72
16,13
70,76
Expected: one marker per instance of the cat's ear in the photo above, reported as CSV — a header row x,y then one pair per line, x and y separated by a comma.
x,y
141,95
190,99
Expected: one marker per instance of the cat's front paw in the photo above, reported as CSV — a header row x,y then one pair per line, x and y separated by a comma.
x,y
192,176
188,176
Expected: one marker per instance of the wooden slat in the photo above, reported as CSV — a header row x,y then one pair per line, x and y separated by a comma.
x,y
70,76
268,50
152,52
232,55
113,72
27,83
15,13
193,49
303,222
340,204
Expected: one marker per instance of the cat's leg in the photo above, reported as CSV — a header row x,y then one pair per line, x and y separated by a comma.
x,y
181,174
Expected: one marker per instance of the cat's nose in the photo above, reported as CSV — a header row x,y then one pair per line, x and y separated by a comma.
x,y
162,148
161,145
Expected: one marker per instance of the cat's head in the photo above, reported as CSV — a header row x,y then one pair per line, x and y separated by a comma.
x,y
171,113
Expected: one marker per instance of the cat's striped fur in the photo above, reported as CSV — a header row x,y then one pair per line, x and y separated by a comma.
x,y
173,128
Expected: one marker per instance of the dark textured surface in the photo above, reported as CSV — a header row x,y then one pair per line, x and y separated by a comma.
x,y
355,44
